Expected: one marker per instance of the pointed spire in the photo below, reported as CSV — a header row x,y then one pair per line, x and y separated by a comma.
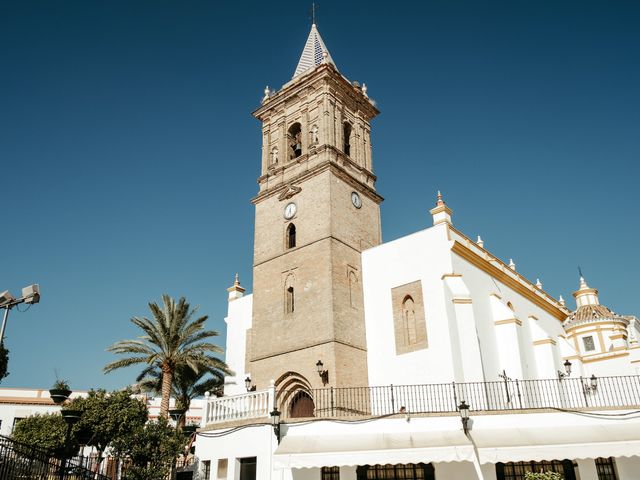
x,y
441,213
235,291
314,53
586,295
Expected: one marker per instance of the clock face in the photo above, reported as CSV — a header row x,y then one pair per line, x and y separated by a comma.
x,y
355,199
290,210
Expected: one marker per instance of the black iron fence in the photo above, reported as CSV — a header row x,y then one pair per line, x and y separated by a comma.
x,y
505,395
21,462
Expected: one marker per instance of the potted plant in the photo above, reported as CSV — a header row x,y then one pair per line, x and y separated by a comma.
x,y
543,476
60,391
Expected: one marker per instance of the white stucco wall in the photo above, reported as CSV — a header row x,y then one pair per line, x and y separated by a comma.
x,y
258,441
238,320
422,256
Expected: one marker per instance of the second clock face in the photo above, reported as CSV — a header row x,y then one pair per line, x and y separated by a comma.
x,y
290,210
355,199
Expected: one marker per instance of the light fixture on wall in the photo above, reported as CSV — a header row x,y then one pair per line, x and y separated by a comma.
x,y
324,374
592,385
275,422
463,408
567,370
248,385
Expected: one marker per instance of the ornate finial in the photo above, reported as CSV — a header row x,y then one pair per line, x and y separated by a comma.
x,y
364,89
538,283
440,200
313,13
512,265
480,242
237,281
267,94
561,301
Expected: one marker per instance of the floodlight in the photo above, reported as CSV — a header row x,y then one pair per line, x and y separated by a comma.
x,y
31,294
6,297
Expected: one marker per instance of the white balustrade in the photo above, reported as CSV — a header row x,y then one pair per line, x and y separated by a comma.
x,y
237,407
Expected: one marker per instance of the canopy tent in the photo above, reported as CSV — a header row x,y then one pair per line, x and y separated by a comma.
x,y
572,438
307,451
550,443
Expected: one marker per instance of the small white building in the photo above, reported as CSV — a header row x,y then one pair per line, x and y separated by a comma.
x,y
364,355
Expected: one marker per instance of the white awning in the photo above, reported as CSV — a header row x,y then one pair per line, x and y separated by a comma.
x,y
557,443
303,451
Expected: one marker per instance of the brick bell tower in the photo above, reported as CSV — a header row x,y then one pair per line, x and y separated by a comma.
x,y
316,210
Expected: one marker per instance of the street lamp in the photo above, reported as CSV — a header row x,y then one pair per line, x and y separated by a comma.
x,y
324,374
30,295
463,408
275,422
567,370
248,386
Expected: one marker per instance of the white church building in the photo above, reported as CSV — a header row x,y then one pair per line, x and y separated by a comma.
x,y
421,358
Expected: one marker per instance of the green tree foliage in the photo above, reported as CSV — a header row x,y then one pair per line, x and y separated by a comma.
x,y
150,451
543,476
107,417
46,431
187,384
4,361
171,339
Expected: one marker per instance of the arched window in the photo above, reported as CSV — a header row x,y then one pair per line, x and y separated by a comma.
x,y
291,236
301,405
346,138
353,289
409,319
289,294
295,141
290,301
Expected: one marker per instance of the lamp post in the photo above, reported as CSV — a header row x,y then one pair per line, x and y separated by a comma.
x,y
30,295
275,422
71,417
463,408
567,370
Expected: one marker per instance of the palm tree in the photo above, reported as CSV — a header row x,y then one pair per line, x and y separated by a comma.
x,y
187,384
171,340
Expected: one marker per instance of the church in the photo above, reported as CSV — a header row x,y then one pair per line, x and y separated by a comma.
x,y
426,357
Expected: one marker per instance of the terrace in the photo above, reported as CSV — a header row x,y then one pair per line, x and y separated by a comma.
x,y
495,397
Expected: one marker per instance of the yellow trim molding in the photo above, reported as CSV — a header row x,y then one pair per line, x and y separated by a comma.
x,y
544,341
608,357
508,321
462,300
486,266
450,275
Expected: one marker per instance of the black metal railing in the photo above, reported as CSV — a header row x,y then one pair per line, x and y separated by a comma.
x,y
505,395
21,462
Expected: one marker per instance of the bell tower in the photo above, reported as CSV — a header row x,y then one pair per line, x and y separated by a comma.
x,y
316,210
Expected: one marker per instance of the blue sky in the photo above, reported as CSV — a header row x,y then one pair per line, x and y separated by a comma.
x,y
129,154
